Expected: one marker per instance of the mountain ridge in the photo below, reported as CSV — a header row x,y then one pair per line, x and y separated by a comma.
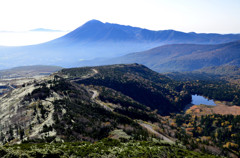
x,y
67,106
181,57
142,34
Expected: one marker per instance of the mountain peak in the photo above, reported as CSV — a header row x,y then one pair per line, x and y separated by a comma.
x,y
94,22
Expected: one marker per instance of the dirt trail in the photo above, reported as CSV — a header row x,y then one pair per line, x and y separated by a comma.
x,y
95,94
94,72
10,86
94,98
150,129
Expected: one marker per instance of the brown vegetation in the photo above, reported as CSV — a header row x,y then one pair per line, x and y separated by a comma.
x,y
220,108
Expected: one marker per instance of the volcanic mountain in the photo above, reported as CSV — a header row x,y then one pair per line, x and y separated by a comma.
x,y
95,39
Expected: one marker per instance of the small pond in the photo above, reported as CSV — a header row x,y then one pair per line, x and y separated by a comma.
x,y
197,100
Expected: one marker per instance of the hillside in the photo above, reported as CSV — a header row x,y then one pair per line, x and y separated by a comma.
x,y
73,111
136,81
223,73
100,40
54,109
221,70
88,104
182,57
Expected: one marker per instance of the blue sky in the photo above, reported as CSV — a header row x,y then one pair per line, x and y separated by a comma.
x,y
202,16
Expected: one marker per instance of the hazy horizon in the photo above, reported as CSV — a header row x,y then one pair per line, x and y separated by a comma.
x,y
212,16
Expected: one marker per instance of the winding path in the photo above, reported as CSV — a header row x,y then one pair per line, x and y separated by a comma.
x,y
95,95
150,129
94,72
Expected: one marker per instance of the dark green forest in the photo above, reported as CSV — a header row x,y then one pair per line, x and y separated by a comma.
x,y
216,130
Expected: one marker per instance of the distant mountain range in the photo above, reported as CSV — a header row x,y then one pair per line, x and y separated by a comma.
x,y
101,40
181,57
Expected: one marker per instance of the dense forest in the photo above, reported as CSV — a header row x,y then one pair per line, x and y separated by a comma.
x,y
214,130
215,90
219,86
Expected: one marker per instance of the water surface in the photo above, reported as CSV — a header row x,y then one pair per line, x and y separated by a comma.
x,y
197,100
